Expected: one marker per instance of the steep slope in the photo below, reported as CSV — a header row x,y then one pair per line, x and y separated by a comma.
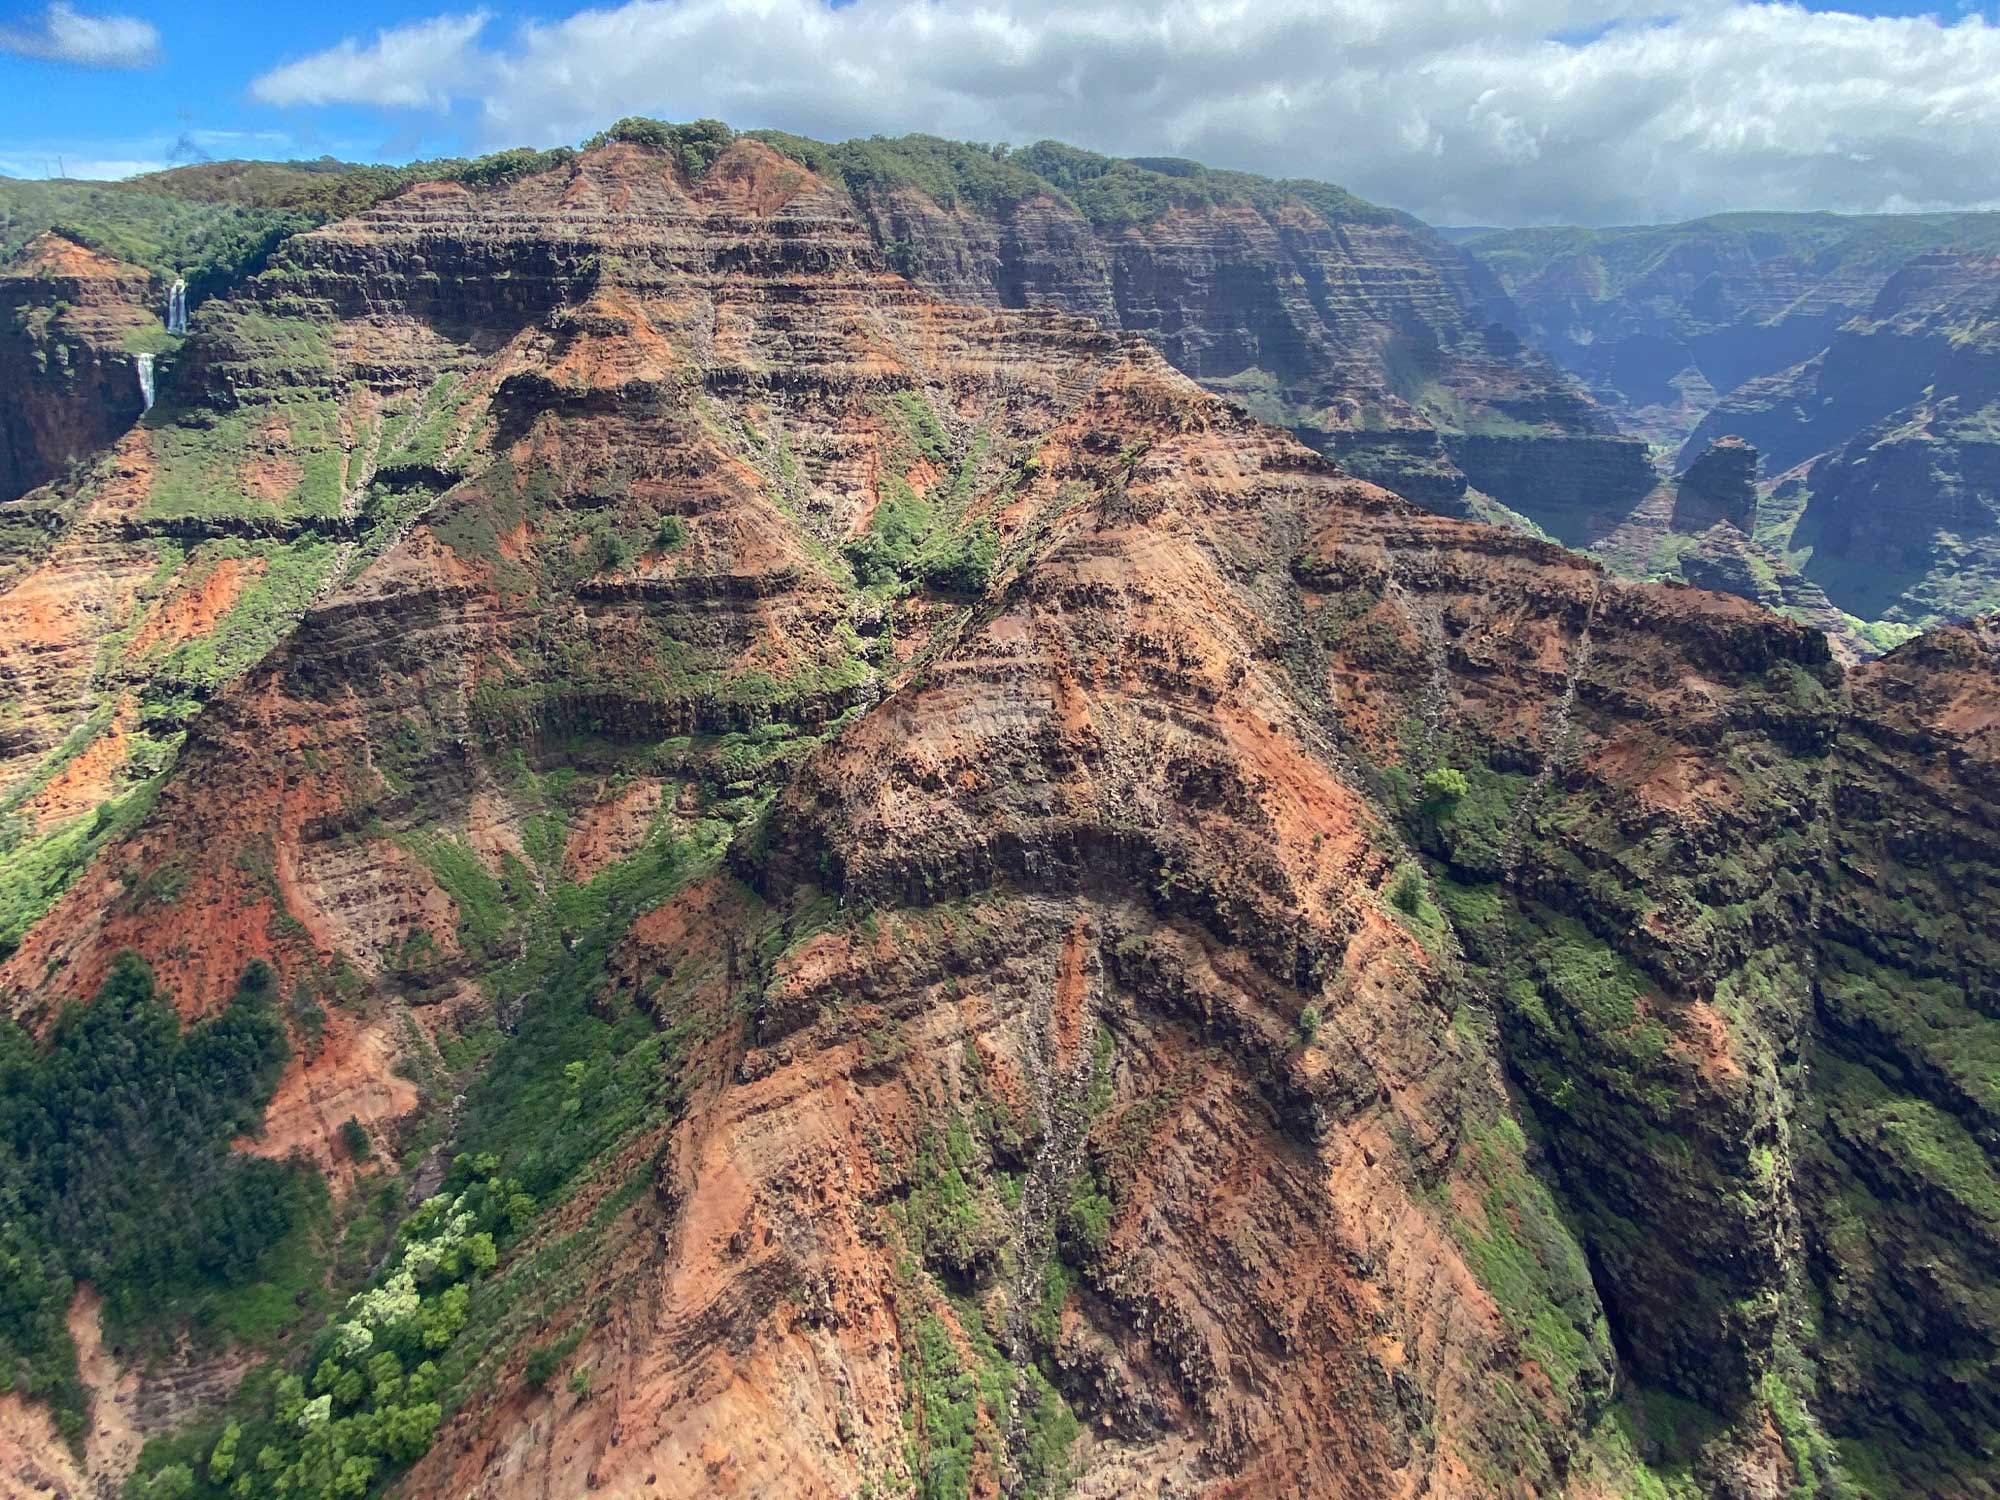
x,y
958,916
72,322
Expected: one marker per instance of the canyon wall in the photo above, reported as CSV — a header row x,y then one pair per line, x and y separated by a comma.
x,y
912,901
1855,354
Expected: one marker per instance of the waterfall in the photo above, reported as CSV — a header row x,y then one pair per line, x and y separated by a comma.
x,y
177,307
145,364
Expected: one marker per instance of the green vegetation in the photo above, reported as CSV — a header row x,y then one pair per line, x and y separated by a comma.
x,y
695,146
925,539
202,464
887,550
369,1403
278,582
1624,1454
959,1408
546,1105
576,1074
947,1412
1616,262
486,906
1443,788
1407,894
115,1167
211,245
950,173
324,188
1527,1258
36,869
1113,193
950,1224
354,1137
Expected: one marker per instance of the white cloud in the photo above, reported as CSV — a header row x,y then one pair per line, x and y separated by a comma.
x,y
1467,111
406,67
65,34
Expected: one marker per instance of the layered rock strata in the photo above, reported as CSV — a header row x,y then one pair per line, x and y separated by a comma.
x,y
1145,963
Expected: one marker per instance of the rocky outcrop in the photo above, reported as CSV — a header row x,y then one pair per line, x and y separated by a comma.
x,y
72,322
1718,487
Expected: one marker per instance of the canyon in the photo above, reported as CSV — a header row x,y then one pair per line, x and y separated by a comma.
x,y
897,839
1855,353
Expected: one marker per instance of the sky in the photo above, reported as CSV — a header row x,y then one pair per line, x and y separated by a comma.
x,y
1462,111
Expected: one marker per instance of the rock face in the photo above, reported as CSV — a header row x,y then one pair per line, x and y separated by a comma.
x,y
1718,487
67,317
1577,493
1003,928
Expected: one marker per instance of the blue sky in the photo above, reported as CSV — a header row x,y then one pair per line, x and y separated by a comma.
x,y
98,117
1494,111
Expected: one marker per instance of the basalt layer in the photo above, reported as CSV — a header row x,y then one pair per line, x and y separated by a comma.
x,y
953,914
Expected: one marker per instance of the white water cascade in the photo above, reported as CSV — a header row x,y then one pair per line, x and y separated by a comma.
x,y
145,364
177,308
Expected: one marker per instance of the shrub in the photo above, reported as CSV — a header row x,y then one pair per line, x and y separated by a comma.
x,y
670,534
354,1136
505,166
542,1364
1310,1021
609,551
695,146
1443,788
962,565
1407,894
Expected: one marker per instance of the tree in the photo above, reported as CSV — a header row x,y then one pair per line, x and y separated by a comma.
x,y
1443,788
222,1459
1407,894
115,1163
174,1482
